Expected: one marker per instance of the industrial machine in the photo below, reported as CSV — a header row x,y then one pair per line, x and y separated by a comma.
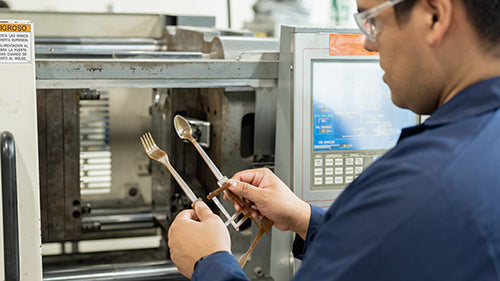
x,y
335,114
105,207
20,227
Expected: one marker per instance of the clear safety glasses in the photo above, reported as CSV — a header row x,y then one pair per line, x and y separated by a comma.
x,y
366,19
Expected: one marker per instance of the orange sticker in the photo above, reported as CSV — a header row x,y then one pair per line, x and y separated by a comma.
x,y
348,45
15,28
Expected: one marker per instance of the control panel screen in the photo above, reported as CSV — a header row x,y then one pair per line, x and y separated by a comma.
x,y
354,121
352,107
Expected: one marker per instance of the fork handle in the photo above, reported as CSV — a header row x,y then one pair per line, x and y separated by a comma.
x,y
185,187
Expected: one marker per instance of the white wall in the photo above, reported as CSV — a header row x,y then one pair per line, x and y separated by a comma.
x,y
241,10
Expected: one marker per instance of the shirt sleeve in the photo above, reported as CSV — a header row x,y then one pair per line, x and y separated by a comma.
x,y
393,225
299,245
220,266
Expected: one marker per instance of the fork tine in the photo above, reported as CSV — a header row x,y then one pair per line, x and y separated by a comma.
x,y
151,138
144,145
148,141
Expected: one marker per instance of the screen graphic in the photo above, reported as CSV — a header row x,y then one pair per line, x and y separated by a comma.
x,y
352,107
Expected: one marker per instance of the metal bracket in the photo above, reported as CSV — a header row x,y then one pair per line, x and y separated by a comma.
x,y
201,131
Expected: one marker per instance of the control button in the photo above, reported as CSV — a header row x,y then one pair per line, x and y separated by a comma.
x,y
349,161
349,170
318,171
339,161
329,162
358,170
318,181
318,162
328,171
339,171
339,180
349,179
329,180
359,161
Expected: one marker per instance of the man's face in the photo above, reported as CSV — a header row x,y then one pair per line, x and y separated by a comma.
x,y
402,57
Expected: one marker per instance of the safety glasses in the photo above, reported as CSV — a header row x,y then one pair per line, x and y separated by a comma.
x,y
366,19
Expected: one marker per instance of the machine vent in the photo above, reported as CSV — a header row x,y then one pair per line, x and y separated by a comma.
x,y
95,154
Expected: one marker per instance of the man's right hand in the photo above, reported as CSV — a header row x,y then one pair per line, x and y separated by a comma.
x,y
270,197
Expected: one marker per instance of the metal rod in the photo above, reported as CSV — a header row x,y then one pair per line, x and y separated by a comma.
x,y
229,13
118,221
120,218
124,272
9,204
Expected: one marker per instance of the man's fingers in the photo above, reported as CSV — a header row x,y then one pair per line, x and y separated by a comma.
x,y
253,176
202,210
187,215
243,189
246,175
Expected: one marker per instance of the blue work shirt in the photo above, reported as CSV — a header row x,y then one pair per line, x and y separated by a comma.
x,y
429,209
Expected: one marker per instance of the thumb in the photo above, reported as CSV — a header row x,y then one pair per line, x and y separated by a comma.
x,y
202,210
243,189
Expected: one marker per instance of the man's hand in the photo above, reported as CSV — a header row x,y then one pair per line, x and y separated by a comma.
x,y
270,197
195,234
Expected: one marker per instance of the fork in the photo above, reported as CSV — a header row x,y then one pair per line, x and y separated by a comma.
x,y
155,153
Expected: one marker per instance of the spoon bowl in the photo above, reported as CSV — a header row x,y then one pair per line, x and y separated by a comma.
x,y
183,128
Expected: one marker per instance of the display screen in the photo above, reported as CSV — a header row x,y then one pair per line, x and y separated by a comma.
x,y
352,107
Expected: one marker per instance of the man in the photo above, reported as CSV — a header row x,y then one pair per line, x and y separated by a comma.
x,y
427,210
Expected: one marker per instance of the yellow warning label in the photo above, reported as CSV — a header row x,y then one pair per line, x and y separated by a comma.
x,y
15,28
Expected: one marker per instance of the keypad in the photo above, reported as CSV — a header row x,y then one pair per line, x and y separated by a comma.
x,y
339,168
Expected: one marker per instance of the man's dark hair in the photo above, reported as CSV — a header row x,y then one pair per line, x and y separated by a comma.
x,y
483,14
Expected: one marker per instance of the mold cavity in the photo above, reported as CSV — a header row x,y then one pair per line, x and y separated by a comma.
x,y
247,135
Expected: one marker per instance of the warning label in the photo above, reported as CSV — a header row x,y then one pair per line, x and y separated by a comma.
x,y
15,43
348,45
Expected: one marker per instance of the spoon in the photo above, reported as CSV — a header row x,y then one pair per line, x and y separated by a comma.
x,y
184,131
183,128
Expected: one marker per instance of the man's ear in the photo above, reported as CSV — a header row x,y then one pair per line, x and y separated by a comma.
x,y
440,13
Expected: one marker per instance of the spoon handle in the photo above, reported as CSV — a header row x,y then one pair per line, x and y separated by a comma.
x,y
218,175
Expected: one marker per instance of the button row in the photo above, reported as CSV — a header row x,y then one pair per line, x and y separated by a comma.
x,y
338,171
333,180
338,161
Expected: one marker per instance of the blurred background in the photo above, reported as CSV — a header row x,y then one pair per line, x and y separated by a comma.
x,y
259,16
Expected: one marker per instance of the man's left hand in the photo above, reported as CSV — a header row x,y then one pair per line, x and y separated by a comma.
x,y
195,234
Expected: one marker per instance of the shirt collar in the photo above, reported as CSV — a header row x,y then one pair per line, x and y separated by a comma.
x,y
476,99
